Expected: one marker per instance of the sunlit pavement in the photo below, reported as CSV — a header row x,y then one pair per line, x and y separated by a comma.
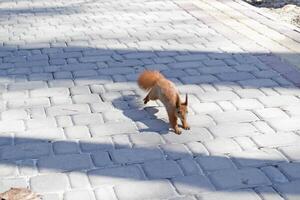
x,y
73,124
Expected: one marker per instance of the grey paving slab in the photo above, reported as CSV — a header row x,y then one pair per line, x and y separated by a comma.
x,y
73,124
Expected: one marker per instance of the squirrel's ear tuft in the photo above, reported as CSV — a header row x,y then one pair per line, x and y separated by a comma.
x,y
186,100
177,101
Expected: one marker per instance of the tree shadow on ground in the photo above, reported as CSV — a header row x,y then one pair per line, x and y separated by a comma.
x,y
31,78
106,165
272,4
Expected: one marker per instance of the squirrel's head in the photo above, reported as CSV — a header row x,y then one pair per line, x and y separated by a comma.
x,y
182,108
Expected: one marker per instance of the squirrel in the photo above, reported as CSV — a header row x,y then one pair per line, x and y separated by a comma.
x,y
163,89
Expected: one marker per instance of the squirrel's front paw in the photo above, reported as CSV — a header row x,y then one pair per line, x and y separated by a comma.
x,y
146,100
186,127
178,131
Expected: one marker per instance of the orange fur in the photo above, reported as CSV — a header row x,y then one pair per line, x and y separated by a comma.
x,y
163,89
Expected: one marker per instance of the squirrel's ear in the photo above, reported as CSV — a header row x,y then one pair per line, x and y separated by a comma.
x,y
186,100
177,101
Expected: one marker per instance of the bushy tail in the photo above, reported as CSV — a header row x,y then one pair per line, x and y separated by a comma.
x,y
148,79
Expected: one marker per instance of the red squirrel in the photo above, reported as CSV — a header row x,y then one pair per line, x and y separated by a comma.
x,y
163,89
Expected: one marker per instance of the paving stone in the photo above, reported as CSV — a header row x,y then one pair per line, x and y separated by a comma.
x,y
18,86
61,163
227,106
105,193
101,107
6,139
263,127
268,193
146,138
44,134
80,90
136,155
79,194
15,95
222,145
114,175
40,123
115,116
234,116
70,109
175,151
77,132
101,158
112,128
29,102
7,183
55,182
289,190
269,91
79,179
274,174
198,79
233,130
291,152
153,125
64,121
12,126
258,83
65,147
287,124
250,93
277,101
193,135
220,71
8,169
161,169
200,121
95,144
257,158
212,163
50,92
267,113
24,151
276,140
184,198
86,98
197,149
36,112
51,196
218,96
121,141
27,168
189,166
235,76
246,143
60,100
231,195
144,189
136,115
293,110
247,104
14,114
237,179
193,184
291,170
97,89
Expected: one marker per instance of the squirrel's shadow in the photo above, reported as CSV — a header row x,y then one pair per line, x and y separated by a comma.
x,y
133,108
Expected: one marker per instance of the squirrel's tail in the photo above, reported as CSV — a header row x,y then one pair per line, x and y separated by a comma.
x,y
148,79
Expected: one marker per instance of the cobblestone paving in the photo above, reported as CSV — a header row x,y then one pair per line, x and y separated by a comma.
x,y
73,125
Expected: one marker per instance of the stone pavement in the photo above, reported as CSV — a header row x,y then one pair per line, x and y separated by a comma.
x,y
73,125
